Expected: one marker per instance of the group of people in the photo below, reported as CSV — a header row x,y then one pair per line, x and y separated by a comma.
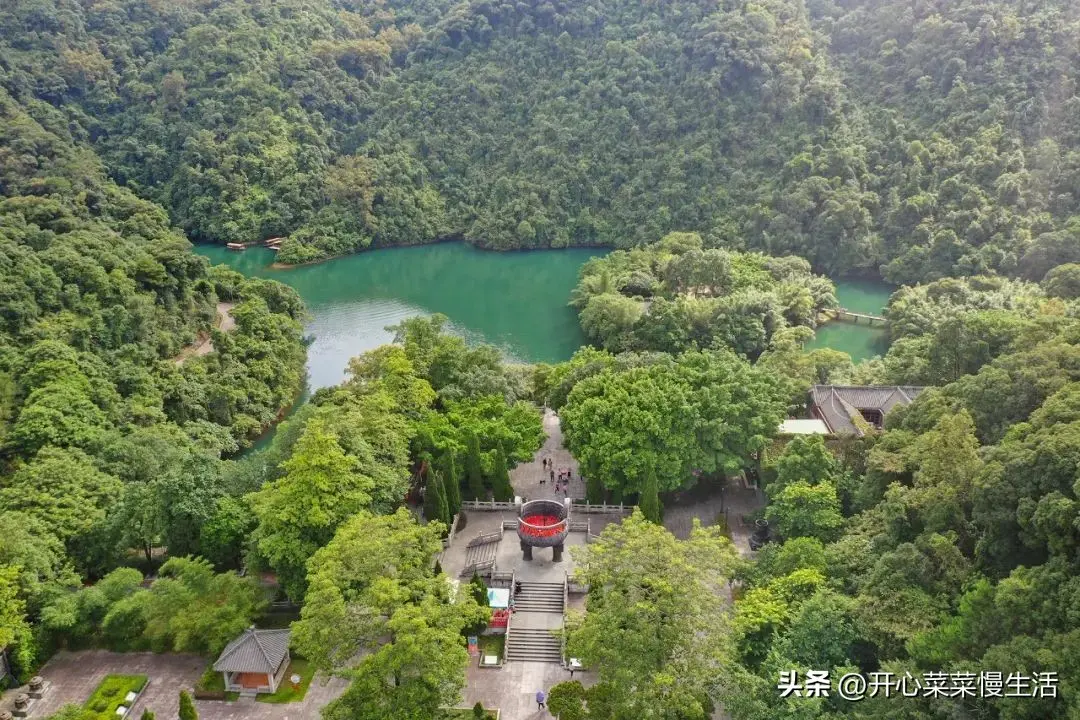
x,y
562,482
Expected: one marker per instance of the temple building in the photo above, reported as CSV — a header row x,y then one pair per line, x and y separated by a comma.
x,y
855,410
255,662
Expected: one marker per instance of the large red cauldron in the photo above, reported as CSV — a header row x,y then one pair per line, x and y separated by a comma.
x,y
542,523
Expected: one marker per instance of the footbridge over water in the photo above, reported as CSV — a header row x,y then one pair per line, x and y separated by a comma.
x,y
845,315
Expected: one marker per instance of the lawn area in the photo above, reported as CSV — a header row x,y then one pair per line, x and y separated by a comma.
x,y
213,683
111,694
285,693
491,645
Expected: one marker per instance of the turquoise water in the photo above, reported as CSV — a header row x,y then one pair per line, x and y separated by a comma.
x,y
514,300
863,296
861,342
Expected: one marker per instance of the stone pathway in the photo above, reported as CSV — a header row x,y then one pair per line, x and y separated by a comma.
x,y
708,504
513,688
526,477
75,675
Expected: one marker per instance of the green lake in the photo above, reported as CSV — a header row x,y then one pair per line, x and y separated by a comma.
x,y
514,300
858,341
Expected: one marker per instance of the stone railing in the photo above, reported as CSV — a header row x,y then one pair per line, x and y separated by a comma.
x,y
583,507
485,538
476,567
489,505
453,531
579,505
502,579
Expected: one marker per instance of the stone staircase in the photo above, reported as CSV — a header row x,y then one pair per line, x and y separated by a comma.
x,y
539,597
533,645
526,641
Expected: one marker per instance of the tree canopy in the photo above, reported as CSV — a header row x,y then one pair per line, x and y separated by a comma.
x,y
669,419
654,624
864,136
675,296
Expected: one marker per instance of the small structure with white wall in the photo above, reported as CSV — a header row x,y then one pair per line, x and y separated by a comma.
x,y
811,426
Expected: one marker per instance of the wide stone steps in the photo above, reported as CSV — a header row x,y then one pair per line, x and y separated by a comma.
x,y
533,645
539,597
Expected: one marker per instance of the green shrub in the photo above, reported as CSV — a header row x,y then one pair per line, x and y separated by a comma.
x,y
187,707
478,711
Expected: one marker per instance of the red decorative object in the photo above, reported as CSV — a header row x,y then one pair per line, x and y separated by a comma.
x,y
542,525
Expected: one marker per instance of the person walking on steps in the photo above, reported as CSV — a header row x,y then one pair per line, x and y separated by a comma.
x,y
540,697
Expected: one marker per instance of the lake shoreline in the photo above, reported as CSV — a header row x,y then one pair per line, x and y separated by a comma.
x,y
278,265
513,300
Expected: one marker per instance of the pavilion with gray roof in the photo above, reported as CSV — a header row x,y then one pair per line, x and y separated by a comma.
x,y
851,409
255,662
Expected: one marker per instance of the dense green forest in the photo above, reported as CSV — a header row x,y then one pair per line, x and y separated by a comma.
x,y
675,295
918,141
732,151
946,544
949,543
111,438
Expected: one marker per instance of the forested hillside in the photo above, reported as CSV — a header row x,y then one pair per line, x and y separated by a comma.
x,y
918,141
948,543
733,151
110,434
966,118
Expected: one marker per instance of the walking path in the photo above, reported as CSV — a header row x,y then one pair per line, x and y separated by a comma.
x,y
225,322
526,477
710,505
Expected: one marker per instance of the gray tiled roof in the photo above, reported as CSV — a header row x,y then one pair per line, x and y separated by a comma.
x,y
838,404
259,651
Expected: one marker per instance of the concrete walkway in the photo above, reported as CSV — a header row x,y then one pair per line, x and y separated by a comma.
x,y
513,688
709,504
526,477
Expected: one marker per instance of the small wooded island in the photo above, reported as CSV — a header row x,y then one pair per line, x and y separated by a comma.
x,y
733,502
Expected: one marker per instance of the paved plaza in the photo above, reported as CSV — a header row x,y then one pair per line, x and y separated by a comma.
x,y
75,675
513,688
526,478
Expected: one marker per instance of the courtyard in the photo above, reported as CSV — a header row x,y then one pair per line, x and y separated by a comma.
x,y
511,688
74,675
